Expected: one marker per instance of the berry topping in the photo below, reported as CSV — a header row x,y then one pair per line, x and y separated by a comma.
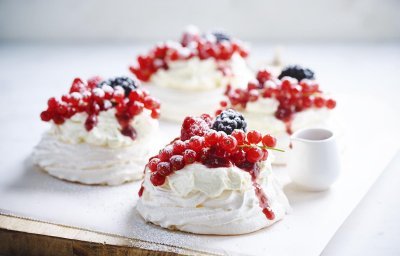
x,y
94,96
126,83
292,96
297,72
228,121
215,144
218,46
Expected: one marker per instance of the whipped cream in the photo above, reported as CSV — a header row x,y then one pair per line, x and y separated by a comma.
x,y
106,132
195,74
100,156
259,116
206,200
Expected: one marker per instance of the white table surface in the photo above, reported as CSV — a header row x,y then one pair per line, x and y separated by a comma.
x,y
364,69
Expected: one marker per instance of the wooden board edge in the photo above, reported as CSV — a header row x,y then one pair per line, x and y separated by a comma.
x,y
21,236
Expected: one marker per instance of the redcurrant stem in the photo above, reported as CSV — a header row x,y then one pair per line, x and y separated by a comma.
x,y
262,147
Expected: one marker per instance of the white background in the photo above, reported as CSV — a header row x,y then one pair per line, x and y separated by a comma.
x,y
254,20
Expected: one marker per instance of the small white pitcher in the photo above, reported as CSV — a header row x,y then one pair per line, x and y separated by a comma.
x,y
314,162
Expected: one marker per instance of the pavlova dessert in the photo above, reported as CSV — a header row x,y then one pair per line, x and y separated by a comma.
x,y
101,132
189,76
214,179
282,105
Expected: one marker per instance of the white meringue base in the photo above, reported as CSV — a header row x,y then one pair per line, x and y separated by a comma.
x,y
219,201
89,164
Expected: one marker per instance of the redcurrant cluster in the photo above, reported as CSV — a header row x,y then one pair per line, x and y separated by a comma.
x,y
91,99
200,143
293,95
191,45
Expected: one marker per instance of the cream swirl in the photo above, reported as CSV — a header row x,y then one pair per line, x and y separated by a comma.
x,y
195,74
107,131
205,200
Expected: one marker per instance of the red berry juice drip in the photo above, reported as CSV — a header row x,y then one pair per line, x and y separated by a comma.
x,y
254,171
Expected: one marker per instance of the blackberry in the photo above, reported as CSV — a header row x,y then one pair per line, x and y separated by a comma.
x,y
228,121
221,36
126,83
297,72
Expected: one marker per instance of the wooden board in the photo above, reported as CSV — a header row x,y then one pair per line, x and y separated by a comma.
x,y
20,236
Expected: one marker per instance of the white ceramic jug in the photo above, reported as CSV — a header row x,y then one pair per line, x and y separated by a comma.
x,y
314,162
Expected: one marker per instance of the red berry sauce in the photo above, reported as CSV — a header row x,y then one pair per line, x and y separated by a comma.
x,y
199,143
87,97
192,45
293,96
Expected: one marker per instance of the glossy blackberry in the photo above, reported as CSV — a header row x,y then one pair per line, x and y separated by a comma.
x,y
126,83
228,121
221,36
297,72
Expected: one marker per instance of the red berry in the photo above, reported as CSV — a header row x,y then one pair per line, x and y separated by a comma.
x,y
157,179
155,113
178,147
65,98
177,162
196,143
263,76
136,108
265,155
57,119
153,164
189,156
319,102
62,109
203,154
94,81
136,95
52,103
223,104
151,103
286,85
254,137
269,141
164,168
331,104
239,135
229,143
194,126
307,102
166,153
77,85
253,95
284,114
211,138
45,116
238,157
254,154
